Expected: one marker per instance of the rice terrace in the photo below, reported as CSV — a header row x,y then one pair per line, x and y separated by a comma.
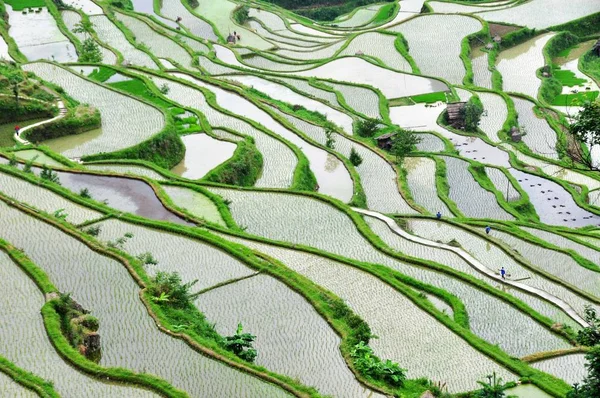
x,y
300,198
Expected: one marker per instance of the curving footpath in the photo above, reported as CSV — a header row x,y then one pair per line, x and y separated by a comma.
x,y
62,111
476,264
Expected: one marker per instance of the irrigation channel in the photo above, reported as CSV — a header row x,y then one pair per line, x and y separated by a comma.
x,y
227,198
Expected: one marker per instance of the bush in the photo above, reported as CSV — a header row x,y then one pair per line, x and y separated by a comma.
x,y
367,127
167,289
49,175
241,344
241,14
242,170
590,336
370,365
355,158
90,51
473,111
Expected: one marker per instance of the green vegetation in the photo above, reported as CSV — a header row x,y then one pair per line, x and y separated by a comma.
x,y
371,366
567,78
590,336
586,130
591,384
472,114
403,143
493,387
386,12
367,128
240,14
78,120
165,150
167,288
139,89
19,5
243,169
355,158
429,98
241,344
102,74
79,327
49,175
322,10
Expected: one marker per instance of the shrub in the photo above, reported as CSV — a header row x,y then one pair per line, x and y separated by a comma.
x,y
367,128
49,175
590,336
90,51
241,14
85,193
473,111
355,158
241,344
167,288
329,140
370,365
93,231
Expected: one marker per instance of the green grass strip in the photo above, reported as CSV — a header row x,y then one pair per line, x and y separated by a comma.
x,y
28,380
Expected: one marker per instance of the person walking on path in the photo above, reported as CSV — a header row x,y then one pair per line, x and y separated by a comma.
x,y
17,129
488,229
438,215
503,273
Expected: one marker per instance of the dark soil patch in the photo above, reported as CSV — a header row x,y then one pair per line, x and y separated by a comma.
x,y
498,29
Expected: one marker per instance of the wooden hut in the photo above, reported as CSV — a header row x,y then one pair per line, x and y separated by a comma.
x,y
515,134
385,141
456,114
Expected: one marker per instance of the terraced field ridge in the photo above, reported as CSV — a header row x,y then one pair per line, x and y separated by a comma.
x,y
284,198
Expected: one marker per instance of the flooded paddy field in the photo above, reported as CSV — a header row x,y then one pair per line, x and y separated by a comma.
x,y
366,148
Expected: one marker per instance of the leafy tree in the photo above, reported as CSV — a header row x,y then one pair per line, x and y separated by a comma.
x,y
241,344
355,157
473,111
14,79
147,258
167,287
29,165
367,128
329,140
590,336
403,143
585,130
590,388
49,175
90,51
12,161
493,387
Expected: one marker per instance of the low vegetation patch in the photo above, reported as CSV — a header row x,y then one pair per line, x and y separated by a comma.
x,y
78,120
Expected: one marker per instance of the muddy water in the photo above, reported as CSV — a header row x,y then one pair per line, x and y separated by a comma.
x,y
66,143
203,153
124,194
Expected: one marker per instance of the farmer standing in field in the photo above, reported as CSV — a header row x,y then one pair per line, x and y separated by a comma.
x,y
488,229
503,273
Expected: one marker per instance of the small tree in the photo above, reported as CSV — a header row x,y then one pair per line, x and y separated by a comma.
x,y
85,193
49,175
241,344
241,15
168,287
90,51
590,388
473,111
329,140
585,130
355,157
12,161
367,128
164,89
493,387
590,335
403,143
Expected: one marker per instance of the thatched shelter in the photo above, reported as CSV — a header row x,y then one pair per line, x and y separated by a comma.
x,y
456,114
385,141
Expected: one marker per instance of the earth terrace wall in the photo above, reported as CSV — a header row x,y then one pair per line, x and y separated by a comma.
x,y
546,382
136,270
58,340
153,149
27,380
303,178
